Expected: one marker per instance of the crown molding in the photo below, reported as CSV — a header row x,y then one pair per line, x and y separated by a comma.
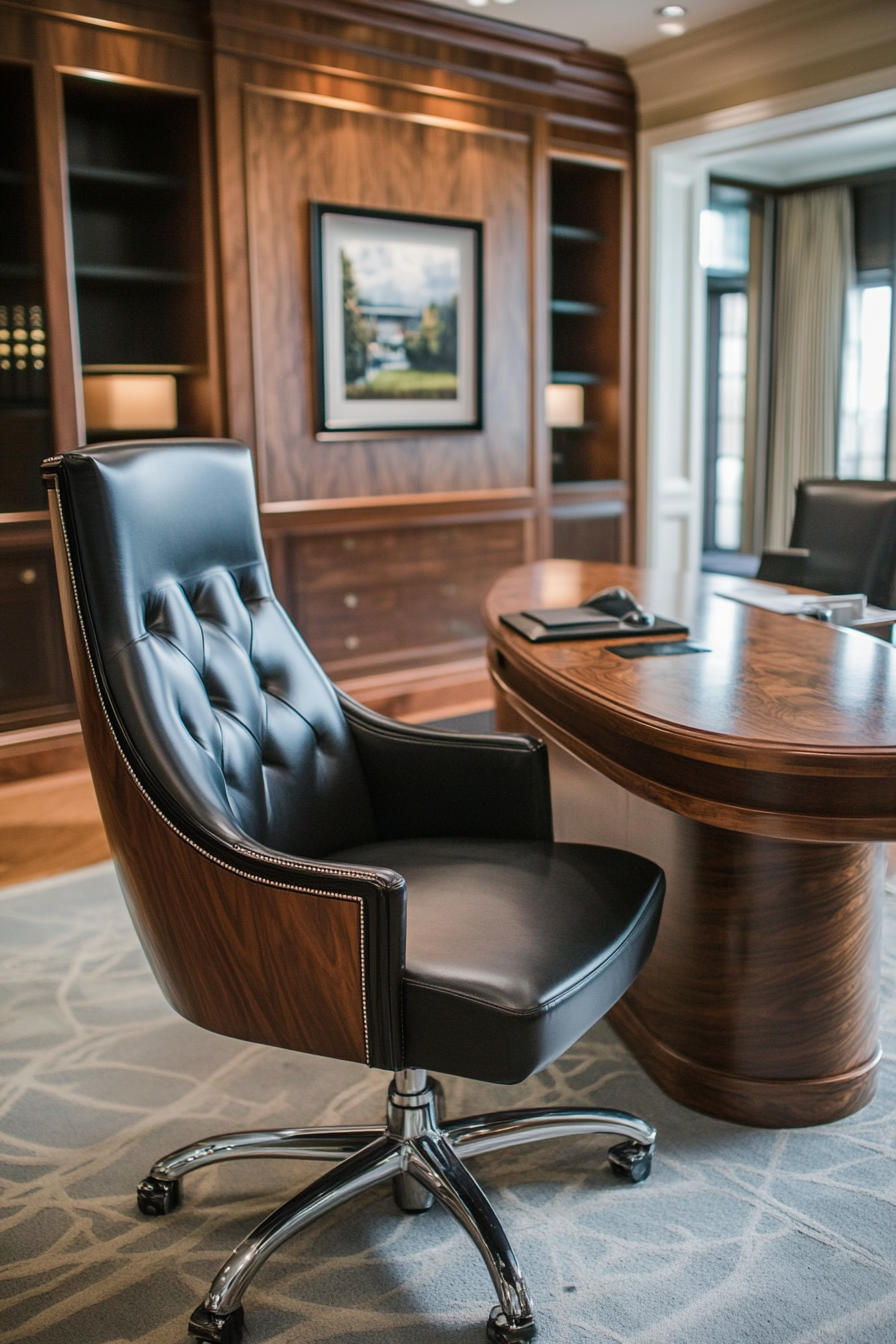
x,y
764,52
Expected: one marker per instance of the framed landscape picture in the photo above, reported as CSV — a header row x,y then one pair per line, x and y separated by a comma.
x,y
398,321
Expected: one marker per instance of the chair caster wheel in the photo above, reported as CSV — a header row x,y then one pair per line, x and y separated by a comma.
x,y
216,1328
156,1197
632,1160
502,1329
410,1195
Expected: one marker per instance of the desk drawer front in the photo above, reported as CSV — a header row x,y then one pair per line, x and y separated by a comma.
x,y
376,591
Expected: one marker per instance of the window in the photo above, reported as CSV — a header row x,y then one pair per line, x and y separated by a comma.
x,y
865,416
864,396
725,255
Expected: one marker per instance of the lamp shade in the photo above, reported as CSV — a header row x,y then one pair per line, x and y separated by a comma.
x,y
130,401
564,405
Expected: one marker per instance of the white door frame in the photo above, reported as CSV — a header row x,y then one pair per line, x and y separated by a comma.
x,y
674,166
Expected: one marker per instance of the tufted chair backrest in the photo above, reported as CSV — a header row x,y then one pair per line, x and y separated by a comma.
x,y
220,700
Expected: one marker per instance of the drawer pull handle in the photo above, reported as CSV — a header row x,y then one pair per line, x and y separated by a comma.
x,y
351,600
27,575
352,641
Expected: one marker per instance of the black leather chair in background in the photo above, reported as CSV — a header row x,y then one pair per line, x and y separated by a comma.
x,y
305,873
843,540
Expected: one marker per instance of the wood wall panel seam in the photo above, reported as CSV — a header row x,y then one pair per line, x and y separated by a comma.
x,y
439,28
373,110
566,80
357,75
544,95
109,25
189,89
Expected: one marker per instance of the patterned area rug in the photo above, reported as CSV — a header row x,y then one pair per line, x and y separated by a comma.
x,y
739,1237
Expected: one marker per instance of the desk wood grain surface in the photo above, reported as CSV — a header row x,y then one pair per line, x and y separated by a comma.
x,y
786,727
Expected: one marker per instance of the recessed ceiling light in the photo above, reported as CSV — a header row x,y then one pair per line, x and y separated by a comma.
x,y
671,29
478,4
671,12
505,2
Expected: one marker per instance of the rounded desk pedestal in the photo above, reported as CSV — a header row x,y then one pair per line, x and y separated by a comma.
x,y
747,774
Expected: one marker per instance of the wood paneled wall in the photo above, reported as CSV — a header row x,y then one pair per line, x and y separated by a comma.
x,y
386,104
299,152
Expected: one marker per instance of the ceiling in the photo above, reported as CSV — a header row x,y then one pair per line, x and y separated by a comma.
x,y
841,151
620,26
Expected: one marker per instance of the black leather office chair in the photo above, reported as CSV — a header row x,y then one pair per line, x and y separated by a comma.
x,y
843,540
430,922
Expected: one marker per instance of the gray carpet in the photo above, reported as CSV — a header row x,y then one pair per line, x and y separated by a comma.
x,y
739,1237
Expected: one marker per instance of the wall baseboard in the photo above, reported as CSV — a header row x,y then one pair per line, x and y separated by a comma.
x,y
50,749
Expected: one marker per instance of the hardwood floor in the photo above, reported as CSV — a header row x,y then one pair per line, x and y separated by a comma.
x,y
49,825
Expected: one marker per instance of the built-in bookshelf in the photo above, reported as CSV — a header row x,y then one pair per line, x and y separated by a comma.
x,y
136,212
25,413
35,686
586,301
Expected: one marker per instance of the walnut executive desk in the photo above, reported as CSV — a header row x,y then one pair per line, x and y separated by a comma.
x,y
762,776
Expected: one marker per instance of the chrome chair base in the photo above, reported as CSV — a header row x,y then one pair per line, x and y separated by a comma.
x,y
419,1152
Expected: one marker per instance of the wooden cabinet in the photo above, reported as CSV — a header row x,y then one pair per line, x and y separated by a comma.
x,y
397,591
35,683
133,157
589,309
26,430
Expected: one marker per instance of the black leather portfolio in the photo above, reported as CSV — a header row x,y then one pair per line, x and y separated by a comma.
x,y
546,625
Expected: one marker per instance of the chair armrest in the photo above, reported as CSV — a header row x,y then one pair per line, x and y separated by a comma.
x,y
788,565
431,782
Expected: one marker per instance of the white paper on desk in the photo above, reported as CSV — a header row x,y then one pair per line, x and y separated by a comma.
x,y
772,598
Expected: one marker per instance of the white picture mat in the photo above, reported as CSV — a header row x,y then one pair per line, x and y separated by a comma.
x,y
343,413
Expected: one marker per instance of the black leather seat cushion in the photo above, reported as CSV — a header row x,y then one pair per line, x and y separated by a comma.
x,y
514,948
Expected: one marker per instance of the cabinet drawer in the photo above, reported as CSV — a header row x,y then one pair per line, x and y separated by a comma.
x,y
34,672
389,555
347,622
330,645
362,604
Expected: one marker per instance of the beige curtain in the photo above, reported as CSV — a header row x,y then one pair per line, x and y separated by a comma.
x,y
814,268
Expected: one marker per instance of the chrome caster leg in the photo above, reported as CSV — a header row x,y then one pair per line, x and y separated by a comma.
x,y
631,1160
436,1165
155,1197
379,1161
216,1327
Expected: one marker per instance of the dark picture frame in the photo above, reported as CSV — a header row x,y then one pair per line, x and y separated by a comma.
x,y
397,312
